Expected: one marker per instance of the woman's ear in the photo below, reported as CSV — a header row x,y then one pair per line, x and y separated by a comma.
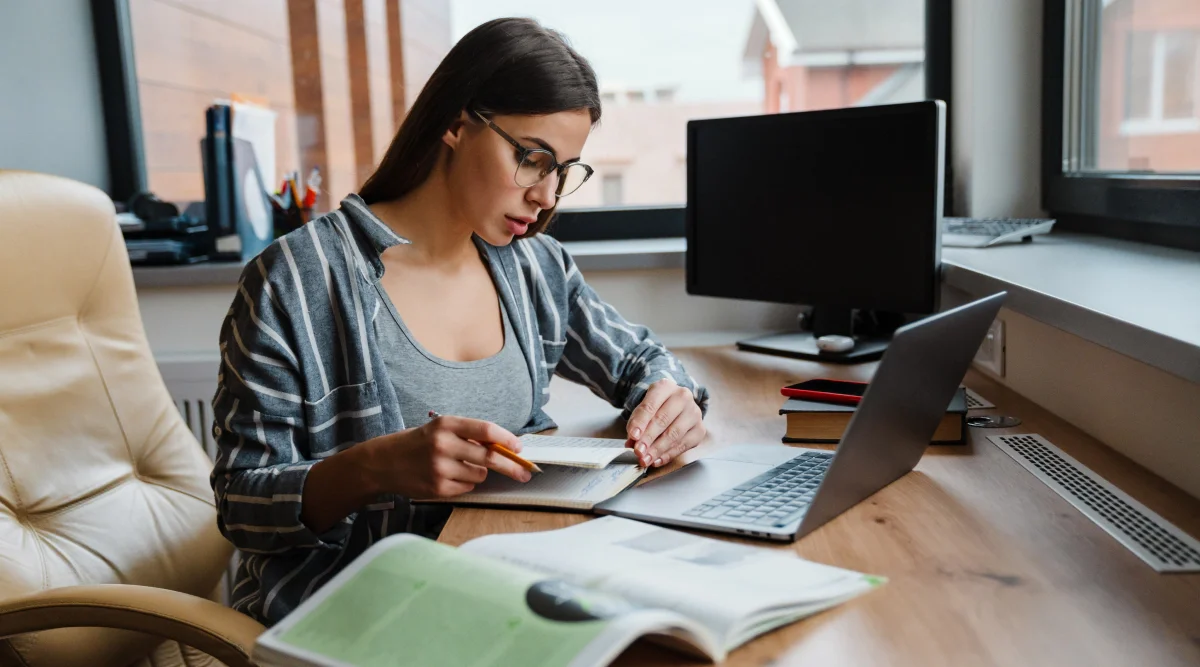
x,y
457,128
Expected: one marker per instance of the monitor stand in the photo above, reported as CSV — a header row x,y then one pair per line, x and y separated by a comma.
x,y
803,345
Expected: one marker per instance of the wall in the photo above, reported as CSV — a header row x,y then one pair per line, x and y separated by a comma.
x,y
1145,413
996,107
59,128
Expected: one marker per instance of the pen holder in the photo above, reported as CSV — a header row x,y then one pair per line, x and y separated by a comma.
x,y
290,219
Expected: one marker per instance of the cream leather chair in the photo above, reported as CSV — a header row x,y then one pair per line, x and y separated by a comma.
x,y
108,537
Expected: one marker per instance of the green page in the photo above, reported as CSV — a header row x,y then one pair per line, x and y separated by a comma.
x,y
423,603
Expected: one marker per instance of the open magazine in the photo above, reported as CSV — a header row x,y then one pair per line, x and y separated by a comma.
x,y
576,596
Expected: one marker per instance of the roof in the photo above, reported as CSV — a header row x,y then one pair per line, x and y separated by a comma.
x,y
890,30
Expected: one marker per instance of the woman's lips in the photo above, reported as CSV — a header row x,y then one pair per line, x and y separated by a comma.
x,y
516,226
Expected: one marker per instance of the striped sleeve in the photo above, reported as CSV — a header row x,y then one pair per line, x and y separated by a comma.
x,y
617,360
262,462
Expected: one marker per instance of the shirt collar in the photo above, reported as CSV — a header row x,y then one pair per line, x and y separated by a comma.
x,y
376,231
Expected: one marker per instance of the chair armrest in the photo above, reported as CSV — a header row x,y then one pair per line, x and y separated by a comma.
x,y
219,631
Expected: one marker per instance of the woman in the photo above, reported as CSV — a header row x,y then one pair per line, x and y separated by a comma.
x,y
432,289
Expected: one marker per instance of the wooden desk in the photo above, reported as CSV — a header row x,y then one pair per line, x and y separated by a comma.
x,y
987,565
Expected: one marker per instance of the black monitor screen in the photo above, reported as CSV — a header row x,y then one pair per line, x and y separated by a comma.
x,y
828,208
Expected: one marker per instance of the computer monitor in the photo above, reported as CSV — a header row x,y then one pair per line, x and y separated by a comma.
x,y
836,209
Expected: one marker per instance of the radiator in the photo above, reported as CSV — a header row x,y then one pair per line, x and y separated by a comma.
x,y
192,381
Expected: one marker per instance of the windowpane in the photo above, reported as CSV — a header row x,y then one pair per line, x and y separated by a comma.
x,y
1142,114
340,74
663,62
334,72
613,190
1179,75
1139,74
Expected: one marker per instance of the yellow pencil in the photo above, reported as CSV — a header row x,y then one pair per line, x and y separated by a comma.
x,y
513,456
503,451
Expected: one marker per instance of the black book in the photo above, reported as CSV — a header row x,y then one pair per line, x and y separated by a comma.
x,y
818,422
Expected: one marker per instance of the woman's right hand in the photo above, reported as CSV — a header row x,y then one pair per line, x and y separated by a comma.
x,y
441,459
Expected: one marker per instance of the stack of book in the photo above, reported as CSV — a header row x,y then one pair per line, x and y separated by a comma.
x,y
821,422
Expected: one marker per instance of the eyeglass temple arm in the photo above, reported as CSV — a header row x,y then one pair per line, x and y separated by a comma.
x,y
515,144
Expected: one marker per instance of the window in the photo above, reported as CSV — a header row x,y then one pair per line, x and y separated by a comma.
x,y
613,190
664,62
1160,83
1121,118
328,70
339,76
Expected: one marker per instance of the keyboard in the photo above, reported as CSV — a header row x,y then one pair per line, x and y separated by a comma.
x,y
980,232
775,498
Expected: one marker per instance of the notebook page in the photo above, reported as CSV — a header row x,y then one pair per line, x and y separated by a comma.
x,y
577,488
573,451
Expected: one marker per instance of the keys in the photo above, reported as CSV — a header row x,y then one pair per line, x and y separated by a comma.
x,y
779,495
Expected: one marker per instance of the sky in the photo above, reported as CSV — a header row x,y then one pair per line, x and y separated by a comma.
x,y
694,45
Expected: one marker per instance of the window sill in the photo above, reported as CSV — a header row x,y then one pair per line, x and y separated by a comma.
x,y
1138,300
589,256
628,255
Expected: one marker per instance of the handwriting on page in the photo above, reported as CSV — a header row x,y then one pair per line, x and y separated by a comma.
x,y
570,442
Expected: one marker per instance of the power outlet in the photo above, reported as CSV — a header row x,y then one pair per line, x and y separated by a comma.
x,y
990,356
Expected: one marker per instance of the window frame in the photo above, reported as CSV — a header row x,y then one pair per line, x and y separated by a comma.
x,y
113,33
118,83
1161,209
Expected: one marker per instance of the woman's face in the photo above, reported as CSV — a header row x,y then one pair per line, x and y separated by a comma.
x,y
482,166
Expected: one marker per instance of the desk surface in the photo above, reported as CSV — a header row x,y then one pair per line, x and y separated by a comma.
x,y
987,565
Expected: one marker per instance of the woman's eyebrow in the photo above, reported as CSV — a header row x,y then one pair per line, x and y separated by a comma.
x,y
544,144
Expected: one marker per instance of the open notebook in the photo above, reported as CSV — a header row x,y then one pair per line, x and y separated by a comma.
x,y
576,596
578,474
575,452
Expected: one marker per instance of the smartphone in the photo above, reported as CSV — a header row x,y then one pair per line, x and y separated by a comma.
x,y
831,391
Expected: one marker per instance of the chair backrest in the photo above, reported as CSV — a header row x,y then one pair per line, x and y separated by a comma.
x,y
100,481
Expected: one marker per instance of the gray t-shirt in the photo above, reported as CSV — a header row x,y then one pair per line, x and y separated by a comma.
x,y
496,389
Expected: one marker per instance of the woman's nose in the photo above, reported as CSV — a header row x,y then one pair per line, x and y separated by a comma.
x,y
543,192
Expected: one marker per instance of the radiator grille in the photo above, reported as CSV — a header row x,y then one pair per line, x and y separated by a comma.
x,y
197,414
1162,545
977,402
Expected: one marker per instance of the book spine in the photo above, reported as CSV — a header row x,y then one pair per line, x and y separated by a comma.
x,y
219,210
813,441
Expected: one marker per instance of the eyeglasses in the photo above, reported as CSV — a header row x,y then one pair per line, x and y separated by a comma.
x,y
535,164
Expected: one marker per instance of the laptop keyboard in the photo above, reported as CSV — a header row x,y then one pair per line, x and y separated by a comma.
x,y
775,498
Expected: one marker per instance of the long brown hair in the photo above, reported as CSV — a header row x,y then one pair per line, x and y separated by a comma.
x,y
505,66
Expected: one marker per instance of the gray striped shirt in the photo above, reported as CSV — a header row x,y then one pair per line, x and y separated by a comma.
x,y
303,378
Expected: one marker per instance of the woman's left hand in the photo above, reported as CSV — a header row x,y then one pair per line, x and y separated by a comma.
x,y
665,424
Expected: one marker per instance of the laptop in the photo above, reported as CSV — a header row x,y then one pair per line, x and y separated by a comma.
x,y
983,232
782,493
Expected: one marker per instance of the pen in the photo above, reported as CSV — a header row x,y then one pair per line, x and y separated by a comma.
x,y
503,451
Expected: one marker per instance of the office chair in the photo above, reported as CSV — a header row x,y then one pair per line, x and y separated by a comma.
x,y
108,536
